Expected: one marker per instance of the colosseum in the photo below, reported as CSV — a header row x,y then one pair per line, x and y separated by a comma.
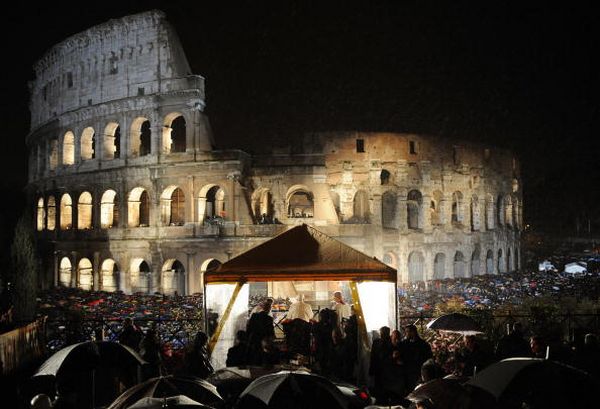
x,y
131,192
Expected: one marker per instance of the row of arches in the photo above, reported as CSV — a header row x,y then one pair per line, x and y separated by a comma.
x,y
106,145
138,278
461,267
51,214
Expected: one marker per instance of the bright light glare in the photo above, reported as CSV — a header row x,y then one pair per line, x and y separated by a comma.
x,y
378,304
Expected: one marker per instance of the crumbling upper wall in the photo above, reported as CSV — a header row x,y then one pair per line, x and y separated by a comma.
x,y
131,56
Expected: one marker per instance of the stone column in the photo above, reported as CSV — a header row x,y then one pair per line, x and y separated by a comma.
x,y
426,213
402,213
375,203
97,277
74,270
56,269
190,273
446,212
190,202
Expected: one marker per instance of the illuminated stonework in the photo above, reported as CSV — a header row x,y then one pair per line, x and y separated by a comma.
x,y
129,193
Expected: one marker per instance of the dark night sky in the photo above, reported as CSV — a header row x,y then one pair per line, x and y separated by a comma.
x,y
515,74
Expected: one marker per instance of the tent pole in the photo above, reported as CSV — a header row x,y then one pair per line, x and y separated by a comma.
x,y
224,318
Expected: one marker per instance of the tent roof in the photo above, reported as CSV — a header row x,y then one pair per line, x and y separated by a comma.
x,y
302,253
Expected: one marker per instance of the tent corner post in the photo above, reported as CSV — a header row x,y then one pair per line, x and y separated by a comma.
x,y
215,337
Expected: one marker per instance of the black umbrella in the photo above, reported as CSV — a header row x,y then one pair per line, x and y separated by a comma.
x,y
537,383
166,386
179,402
287,389
455,322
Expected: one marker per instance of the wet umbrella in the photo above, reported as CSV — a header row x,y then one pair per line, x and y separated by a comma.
x,y
538,383
179,402
291,389
167,386
450,393
455,322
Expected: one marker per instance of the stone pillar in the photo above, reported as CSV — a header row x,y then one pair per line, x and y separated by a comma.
x,y
56,269
375,203
96,208
402,213
190,202
74,270
426,214
97,277
190,286
446,212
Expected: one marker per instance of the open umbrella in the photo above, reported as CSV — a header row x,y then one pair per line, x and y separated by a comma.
x,y
167,386
538,383
179,402
291,389
455,322
449,393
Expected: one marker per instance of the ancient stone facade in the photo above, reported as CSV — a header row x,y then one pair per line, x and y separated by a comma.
x,y
130,193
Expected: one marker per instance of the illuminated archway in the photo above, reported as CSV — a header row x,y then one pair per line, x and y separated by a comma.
x,y
41,215
112,141
85,274
211,202
360,206
66,212
110,275
457,207
65,272
300,203
173,277
435,208
51,214
439,266
68,151
174,133
88,144
140,137
173,206
109,210
138,208
415,267
84,211
140,275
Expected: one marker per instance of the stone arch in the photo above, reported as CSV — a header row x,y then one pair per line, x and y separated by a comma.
x,y
112,141
262,204
489,212
68,151
173,206
439,266
174,133
66,212
459,269
197,282
360,207
508,210
140,137
475,213
65,272
41,215
173,277
391,259
457,208
85,275
489,262
140,274
110,275
51,213
300,202
501,263
84,211
414,202
211,202
416,267
109,210
388,210
138,208
385,177
88,144
475,262
435,208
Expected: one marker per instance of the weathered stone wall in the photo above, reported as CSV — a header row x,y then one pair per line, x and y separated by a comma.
x,y
147,207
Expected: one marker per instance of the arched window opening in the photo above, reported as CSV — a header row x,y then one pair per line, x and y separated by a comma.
x,y
174,133
439,266
84,211
41,215
263,206
475,263
475,214
436,208
500,209
68,154
173,277
66,212
385,177
109,210
414,201
110,275
140,136
212,203
112,141
501,263
489,212
489,262
300,204
65,272
138,208
85,274
388,210
415,267
173,206
391,259
459,265
51,214
141,276
361,213
457,208
88,144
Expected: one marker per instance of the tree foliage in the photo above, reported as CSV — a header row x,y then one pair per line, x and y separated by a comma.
x,y
24,270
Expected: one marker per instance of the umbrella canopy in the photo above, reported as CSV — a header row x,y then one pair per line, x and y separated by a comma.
x,y
167,386
449,393
455,322
287,389
179,402
537,382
